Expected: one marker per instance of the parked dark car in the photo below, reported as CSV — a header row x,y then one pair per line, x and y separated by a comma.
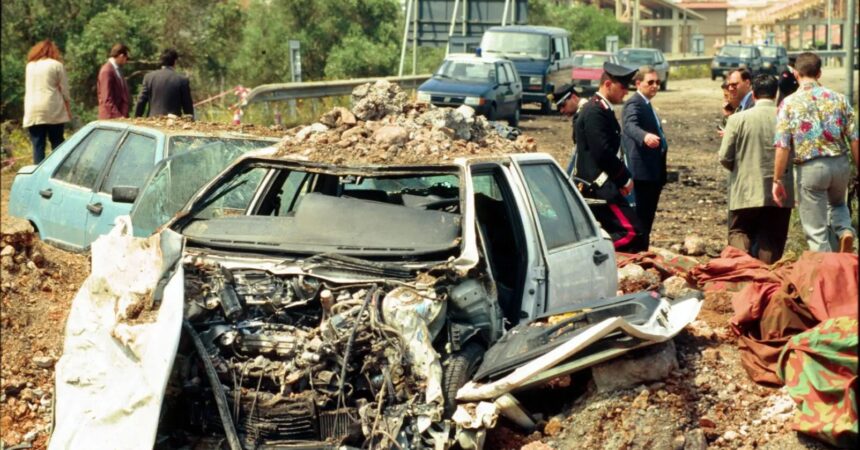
x,y
488,84
638,57
541,55
736,56
774,59
587,69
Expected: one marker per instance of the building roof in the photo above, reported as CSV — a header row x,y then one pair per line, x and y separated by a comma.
x,y
704,5
782,11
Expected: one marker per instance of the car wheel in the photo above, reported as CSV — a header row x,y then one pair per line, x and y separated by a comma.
x,y
491,113
514,120
713,76
458,368
664,83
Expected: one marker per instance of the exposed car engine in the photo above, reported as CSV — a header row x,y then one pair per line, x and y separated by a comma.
x,y
302,359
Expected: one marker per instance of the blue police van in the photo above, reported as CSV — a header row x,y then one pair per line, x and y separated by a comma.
x,y
541,55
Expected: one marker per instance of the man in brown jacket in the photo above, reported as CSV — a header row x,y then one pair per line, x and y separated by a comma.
x,y
757,225
114,99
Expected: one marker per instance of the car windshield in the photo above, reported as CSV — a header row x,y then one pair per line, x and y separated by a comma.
x,y
637,57
515,45
590,60
468,71
768,52
266,207
735,51
182,144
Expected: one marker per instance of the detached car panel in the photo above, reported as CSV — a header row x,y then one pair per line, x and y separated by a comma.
x,y
69,197
328,306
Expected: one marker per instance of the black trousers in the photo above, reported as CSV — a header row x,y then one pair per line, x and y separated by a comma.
x,y
623,226
38,135
647,197
763,229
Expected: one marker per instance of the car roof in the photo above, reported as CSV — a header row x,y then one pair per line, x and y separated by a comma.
x,y
454,159
740,45
640,49
187,127
474,58
591,52
534,29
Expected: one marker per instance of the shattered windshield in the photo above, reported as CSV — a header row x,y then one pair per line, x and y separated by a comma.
x,y
516,44
468,71
292,209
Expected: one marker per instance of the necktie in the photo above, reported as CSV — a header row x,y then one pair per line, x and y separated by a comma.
x,y
663,145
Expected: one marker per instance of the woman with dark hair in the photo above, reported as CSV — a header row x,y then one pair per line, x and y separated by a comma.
x,y
46,97
787,84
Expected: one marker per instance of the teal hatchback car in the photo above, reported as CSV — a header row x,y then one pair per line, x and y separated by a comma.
x,y
75,194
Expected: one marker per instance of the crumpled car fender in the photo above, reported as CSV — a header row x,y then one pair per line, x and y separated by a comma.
x,y
119,350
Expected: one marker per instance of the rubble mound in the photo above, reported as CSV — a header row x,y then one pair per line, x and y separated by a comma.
x,y
383,128
184,124
38,284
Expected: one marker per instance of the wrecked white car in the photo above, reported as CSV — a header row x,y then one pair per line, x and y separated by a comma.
x,y
298,304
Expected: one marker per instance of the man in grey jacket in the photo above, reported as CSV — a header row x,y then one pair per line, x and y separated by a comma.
x,y
165,90
757,224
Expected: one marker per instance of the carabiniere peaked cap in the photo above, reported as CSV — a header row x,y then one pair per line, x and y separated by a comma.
x,y
619,72
564,92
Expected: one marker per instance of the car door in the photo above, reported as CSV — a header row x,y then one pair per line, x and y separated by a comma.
x,y
65,198
505,94
129,167
516,87
580,262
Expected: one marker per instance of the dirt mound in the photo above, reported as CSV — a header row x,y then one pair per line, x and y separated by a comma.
x,y
185,124
38,284
382,128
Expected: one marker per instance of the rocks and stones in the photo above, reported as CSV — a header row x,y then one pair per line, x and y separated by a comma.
x,y
676,287
694,245
44,362
648,364
695,440
633,278
553,427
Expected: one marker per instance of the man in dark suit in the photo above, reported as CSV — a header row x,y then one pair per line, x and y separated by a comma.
x,y
645,147
166,91
114,99
599,172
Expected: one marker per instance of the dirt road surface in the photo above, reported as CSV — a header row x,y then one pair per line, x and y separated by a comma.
x,y
708,402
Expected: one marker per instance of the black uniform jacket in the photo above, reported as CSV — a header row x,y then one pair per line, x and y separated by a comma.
x,y
167,92
598,137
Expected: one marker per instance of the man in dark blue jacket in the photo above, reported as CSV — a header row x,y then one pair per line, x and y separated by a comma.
x,y
599,172
645,147
165,90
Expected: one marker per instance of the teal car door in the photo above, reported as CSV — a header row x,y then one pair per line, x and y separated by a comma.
x,y
130,166
64,199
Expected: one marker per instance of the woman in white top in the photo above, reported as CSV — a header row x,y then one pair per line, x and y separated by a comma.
x,y
46,97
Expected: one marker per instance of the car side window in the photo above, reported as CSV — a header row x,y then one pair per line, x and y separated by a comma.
x,y
86,161
561,220
133,162
503,74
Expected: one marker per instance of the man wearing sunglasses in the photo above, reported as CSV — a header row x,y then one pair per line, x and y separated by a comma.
x,y
645,147
599,171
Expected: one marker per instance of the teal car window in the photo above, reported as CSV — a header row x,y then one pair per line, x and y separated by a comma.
x,y
86,161
133,163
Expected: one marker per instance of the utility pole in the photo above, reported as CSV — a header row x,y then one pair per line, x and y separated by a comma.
x,y
829,22
635,38
405,36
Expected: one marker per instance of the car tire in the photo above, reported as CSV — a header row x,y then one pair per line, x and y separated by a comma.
x,y
514,120
664,83
491,113
457,369
713,76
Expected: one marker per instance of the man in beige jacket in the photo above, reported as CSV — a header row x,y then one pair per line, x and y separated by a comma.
x,y
757,224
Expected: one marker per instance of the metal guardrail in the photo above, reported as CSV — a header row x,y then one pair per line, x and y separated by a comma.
x,y
319,89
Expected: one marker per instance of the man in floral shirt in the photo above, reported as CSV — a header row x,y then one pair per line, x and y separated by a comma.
x,y
818,124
